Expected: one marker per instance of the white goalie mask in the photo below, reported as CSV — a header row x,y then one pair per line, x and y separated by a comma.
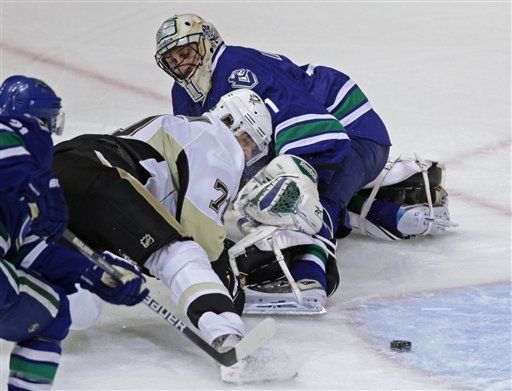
x,y
245,114
185,45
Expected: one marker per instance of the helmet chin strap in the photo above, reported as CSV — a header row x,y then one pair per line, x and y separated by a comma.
x,y
196,94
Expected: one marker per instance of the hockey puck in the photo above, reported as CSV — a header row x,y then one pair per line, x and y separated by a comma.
x,y
400,345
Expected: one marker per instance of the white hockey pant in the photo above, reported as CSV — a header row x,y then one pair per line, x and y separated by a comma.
x,y
184,268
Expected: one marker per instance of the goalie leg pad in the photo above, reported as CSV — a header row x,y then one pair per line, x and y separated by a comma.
x,y
261,266
411,190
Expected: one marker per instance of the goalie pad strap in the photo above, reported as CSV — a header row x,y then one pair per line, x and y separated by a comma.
x,y
423,167
368,203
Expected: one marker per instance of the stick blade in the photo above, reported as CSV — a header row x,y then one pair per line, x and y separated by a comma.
x,y
263,366
261,333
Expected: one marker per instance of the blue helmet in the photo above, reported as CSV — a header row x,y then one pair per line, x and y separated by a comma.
x,y
20,95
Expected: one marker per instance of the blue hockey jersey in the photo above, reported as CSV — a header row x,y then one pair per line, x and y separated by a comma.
x,y
26,146
315,110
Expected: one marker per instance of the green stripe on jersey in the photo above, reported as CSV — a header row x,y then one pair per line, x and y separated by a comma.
x,y
10,269
317,251
9,139
309,129
43,292
354,99
32,371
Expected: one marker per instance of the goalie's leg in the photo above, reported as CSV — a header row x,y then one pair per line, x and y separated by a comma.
x,y
401,210
363,162
268,291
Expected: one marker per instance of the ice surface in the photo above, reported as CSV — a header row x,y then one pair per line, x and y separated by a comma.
x,y
438,73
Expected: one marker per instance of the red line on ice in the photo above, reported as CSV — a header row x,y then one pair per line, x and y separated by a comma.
x,y
85,73
462,157
480,202
483,150
122,85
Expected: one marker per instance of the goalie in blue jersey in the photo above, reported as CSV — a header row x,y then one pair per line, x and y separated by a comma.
x,y
36,274
322,117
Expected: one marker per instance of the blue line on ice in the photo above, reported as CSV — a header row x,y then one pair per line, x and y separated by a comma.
x,y
462,336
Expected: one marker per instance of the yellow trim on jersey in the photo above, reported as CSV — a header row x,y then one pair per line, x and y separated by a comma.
x,y
204,230
153,202
169,149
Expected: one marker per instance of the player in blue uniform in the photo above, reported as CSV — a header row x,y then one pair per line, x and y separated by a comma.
x,y
36,274
318,114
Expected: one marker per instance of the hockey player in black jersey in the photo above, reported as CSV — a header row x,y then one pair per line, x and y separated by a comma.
x,y
155,193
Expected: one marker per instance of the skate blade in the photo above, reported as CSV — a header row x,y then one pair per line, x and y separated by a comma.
x,y
282,308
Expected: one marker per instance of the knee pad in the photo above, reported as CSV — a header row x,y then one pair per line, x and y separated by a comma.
x,y
185,269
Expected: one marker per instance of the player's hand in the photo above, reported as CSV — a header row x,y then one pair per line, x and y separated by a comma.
x,y
45,199
129,290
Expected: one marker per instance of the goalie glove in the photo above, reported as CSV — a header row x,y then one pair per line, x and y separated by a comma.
x,y
284,202
128,291
303,214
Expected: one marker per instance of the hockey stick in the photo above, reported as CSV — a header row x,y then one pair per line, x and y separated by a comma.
x,y
252,341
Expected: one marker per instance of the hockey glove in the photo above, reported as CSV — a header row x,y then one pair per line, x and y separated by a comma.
x,y
283,202
129,290
45,199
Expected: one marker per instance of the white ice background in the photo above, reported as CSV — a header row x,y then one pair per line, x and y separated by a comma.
x,y
438,73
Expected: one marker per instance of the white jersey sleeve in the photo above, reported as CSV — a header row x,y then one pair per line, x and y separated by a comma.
x,y
200,175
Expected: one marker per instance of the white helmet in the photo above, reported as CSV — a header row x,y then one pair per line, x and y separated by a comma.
x,y
188,30
245,114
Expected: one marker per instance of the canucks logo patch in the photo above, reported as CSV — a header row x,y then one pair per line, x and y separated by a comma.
x,y
243,78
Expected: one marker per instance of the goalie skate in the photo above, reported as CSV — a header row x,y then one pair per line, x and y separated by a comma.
x,y
277,298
